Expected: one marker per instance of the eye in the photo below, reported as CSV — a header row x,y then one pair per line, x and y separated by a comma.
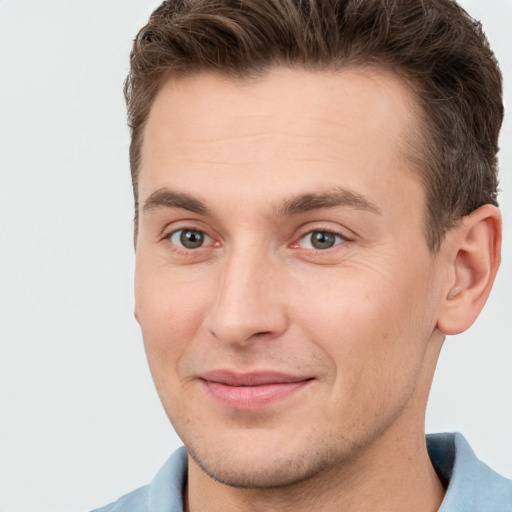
x,y
320,240
189,238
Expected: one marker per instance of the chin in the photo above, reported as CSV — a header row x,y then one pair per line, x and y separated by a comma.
x,y
264,468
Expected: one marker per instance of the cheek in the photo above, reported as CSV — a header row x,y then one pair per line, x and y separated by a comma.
x,y
169,312
345,313
371,328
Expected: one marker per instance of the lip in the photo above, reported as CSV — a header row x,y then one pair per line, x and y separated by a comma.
x,y
251,391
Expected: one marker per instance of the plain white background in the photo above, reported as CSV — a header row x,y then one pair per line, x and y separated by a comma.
x,y
80,421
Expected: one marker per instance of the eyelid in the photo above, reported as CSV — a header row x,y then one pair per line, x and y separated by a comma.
x,y
345,234
207,239
338,240
183,224
176,227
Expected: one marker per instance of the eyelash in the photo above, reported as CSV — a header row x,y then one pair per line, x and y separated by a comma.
x,y
339,239
180,248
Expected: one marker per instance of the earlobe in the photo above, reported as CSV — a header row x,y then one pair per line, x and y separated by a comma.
x,y
475,253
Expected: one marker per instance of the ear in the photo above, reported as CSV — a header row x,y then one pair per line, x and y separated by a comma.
x,y
474,253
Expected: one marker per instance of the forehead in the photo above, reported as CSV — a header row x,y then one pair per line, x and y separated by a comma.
x,y
289,125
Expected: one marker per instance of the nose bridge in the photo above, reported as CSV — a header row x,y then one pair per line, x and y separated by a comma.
x,y
247,304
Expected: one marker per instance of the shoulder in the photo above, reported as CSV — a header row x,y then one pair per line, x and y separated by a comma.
x,y
165,492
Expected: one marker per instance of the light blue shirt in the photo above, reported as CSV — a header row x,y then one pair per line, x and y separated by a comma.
x,y
472,485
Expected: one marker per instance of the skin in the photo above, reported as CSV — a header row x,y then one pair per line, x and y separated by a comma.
x,y
363,320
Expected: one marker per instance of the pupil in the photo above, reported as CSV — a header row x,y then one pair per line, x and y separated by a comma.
x,y
192,239
322,240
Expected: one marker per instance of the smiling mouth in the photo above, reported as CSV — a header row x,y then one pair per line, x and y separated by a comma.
x,y
252,391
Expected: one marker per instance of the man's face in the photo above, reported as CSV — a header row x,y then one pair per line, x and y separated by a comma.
x,y
285,290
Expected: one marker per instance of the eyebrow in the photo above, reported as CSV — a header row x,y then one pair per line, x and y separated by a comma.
x,y
166,198
330,199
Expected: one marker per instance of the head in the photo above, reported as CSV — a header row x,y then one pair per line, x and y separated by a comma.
x,y
316,182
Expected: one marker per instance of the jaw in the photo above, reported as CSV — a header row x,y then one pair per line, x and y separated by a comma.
x,y
256,465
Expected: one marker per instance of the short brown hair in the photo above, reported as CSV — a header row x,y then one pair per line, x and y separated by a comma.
x,y
434,45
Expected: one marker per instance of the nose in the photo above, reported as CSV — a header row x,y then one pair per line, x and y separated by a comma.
x,y
248,303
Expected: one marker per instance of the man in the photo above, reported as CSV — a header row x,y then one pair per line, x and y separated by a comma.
x,y
315,188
